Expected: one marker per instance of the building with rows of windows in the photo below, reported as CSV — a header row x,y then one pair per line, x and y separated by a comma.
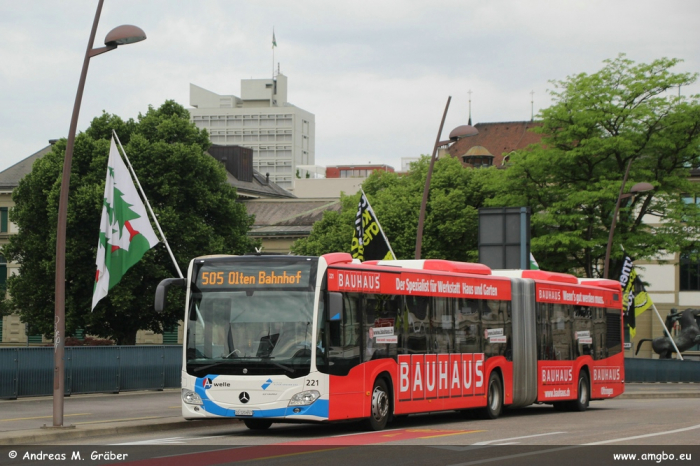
x,y
281,135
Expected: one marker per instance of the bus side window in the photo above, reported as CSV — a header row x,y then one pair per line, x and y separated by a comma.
x,y
496,317
561,331
583,326
381,314
613,338
418,324
468,326
545,349
442,326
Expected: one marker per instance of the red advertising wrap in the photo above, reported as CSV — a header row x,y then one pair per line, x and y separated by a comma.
x,y
419,284
557,293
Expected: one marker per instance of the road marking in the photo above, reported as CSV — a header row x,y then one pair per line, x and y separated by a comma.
x,y
365,433
685,429
41,417
174,407
520,455
168,441
488,442
125,419
376,438
552,450
454,433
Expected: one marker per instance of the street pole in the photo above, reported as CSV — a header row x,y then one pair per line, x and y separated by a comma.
x,y
426,188
125,34
614,222
60,298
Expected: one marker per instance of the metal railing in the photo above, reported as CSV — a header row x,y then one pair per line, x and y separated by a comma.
x,y
90,369
113,369
661,370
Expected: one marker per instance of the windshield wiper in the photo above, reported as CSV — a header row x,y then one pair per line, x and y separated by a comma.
x,y
208,366
266,359
281,366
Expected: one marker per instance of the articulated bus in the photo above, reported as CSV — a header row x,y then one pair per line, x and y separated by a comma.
x,y
297,339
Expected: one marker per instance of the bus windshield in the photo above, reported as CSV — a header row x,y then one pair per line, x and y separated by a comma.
x,y
251,316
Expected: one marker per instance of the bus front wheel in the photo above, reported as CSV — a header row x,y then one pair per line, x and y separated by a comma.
x,y
379,410
494,398
257,424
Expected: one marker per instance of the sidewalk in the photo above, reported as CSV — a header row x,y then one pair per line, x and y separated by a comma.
x,y
95,415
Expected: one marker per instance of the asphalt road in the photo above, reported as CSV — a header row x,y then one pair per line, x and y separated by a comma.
x,y
618,422
651,419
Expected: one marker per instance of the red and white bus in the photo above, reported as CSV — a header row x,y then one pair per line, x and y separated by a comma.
x,y
290,338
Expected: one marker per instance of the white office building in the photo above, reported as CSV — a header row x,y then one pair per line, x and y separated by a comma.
x,y
281,135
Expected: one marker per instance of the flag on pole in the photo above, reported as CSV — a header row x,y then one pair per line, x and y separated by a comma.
x,y
125,231
274,41
367,242
635,298
533,263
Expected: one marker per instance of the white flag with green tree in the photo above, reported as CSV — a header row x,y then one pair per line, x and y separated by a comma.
x,y
125,230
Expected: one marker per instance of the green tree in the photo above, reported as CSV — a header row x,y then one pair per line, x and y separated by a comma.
x,y
599,123
187,189
450,230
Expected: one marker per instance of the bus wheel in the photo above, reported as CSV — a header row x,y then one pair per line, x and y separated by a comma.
x,y
379,413
584,393
494,398
257,424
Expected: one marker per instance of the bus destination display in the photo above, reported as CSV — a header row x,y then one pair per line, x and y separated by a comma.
x,y
243,275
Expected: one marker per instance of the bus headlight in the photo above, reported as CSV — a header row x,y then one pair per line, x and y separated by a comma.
x,y
304,398
191,398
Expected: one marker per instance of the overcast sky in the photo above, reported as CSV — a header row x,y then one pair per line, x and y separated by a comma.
x,y
376,74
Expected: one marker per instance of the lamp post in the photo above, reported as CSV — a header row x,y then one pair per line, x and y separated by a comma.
x,y
120,35
637,188
456,134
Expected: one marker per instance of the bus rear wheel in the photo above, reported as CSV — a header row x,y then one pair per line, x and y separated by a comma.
x,y
584,393
379,409
257,424
494,398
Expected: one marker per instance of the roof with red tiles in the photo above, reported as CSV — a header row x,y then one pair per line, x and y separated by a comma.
x,y
499,138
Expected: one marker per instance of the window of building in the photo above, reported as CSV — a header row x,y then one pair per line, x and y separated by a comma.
x,y
170,336
689,272
3,219
3,271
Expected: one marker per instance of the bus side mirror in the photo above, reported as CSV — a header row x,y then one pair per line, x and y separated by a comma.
x,y
162,291
335,307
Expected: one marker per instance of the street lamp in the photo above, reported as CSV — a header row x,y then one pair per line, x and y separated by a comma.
x,y
637,188
455,135
120,35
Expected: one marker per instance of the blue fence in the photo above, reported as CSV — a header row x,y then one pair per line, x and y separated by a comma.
x,y
112,369
90,369
661,370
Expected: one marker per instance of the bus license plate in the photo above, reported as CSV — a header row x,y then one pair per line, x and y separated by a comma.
x,y
244,412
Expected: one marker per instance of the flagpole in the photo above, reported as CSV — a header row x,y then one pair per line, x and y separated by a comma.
x,y
272,88
663,325
148,204
378,224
